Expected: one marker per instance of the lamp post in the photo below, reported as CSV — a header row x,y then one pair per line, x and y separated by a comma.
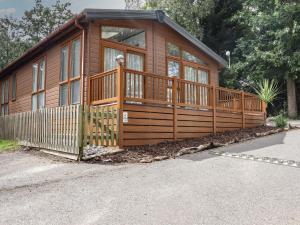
x,y
228,56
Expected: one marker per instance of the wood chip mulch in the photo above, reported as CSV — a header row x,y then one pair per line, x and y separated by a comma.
x,y
164,150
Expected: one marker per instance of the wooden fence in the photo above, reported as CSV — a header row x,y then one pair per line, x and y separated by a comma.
x,y
101,125
64,129
54,128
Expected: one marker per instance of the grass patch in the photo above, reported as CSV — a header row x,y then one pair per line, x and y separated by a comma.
x,y
6,145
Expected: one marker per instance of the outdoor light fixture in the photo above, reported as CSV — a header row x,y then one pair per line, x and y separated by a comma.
x,y
120,59
228,56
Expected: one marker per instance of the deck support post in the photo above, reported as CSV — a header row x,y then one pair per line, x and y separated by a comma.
x,y
263,109
213,104
120,101
174,101
243,109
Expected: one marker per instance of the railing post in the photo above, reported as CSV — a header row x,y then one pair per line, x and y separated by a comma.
x,y
263,109
213,88
174,102
243,109
120,101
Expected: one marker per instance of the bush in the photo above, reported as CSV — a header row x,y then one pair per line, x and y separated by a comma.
x,y
280,121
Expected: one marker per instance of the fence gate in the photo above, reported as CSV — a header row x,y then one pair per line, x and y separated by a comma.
x,y
101,126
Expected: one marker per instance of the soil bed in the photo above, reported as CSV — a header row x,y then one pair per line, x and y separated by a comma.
x,y
164,150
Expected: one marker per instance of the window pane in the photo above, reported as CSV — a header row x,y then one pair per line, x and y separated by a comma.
x,y
173,68
110,56
189,57
131,36
41,99
190,73
64,63
75,92
14,86
34,77
135,62
63,95
42,75
75,58
34,102
173,50
3,92
203,76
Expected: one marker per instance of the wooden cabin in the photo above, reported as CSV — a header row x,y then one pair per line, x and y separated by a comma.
x,y
163,81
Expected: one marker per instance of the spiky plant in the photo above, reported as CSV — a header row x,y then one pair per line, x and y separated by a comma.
x,y
267,90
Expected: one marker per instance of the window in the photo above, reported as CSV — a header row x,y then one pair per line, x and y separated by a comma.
x,y
70,66
14,87
189,57
173,68
4,97
130,36
110,55
173,50
38,85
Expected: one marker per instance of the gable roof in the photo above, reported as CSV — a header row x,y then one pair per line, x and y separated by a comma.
x,y
93,14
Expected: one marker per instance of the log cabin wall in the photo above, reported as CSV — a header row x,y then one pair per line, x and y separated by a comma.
x,y
24,79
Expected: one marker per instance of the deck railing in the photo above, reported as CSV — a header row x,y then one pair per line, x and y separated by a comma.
x,y
141,87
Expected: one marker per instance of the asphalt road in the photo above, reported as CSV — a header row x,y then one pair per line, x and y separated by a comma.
x,y
196,189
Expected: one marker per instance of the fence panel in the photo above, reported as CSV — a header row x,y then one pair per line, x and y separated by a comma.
x,y
101,124
55,128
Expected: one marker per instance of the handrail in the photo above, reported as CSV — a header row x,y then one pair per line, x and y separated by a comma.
x,y
147,88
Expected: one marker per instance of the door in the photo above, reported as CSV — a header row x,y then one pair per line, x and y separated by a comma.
x,y
133,61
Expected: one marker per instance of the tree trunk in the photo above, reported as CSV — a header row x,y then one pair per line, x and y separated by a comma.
x,y
291,96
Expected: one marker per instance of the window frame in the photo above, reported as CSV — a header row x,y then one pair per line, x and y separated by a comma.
x,y
14,87
70,79
183,62
5,96
38,90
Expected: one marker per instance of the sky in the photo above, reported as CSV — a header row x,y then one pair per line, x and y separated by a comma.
x,y
16,8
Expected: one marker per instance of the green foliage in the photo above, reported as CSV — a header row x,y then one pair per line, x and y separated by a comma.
x,y
17,35
280,121
188,13
41,20
6,145
267,90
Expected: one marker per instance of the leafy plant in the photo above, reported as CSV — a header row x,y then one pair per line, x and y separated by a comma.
x,y
267,90
280,121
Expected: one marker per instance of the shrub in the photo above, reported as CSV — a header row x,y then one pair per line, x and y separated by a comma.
x,y
280,121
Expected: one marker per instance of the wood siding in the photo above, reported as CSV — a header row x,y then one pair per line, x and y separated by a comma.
x,y
151,124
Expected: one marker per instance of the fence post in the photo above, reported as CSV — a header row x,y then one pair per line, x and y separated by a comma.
x,y
243,109
80,131
120,101
213,99
174,101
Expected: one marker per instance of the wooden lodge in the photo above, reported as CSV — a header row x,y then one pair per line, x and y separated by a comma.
x,y
159,82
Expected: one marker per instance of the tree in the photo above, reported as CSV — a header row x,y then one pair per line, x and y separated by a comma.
x,y
41,20
271,45
11,45
17,35
188,13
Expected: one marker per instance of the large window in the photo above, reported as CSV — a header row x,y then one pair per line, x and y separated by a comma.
x,y
4,97
130,36
38,84
70,58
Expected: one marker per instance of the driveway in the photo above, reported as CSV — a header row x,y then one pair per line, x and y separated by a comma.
x,y
196,189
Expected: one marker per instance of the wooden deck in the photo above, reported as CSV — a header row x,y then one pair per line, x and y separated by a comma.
x,y
161,108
